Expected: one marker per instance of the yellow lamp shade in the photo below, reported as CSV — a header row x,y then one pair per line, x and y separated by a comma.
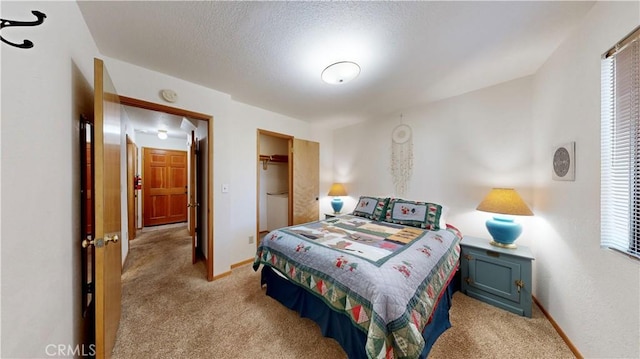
x,y
504,201
337,189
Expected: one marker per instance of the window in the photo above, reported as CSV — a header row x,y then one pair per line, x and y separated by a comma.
x,y
620,147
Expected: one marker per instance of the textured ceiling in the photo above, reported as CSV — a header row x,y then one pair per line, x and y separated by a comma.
x,y
271,54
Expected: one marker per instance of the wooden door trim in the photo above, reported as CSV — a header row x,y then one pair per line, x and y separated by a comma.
x,y
131,194
289,173
192,200
129,101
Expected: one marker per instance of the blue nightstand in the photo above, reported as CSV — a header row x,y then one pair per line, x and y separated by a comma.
x,y
498,276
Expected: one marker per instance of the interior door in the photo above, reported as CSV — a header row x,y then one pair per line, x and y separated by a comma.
x,y
107,219
305,169
193,197
165,186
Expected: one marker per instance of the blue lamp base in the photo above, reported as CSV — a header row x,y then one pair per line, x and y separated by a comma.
x,y
504,231
336,204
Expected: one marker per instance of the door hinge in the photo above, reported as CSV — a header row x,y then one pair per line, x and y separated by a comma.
x,y
88,287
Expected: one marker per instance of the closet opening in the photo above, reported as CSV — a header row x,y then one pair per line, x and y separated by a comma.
x,y
274,172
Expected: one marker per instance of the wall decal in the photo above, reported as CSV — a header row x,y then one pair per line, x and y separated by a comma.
x,y
26,44
564,162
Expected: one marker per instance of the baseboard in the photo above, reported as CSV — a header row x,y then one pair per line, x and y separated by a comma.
x,y
221,275
126,258
233,266
555,325
240,264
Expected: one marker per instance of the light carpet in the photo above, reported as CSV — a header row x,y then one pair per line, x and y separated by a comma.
x,y
169,310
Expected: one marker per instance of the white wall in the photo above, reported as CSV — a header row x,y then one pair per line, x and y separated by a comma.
x,y
44,90
243,167
234,144
592,293
462,146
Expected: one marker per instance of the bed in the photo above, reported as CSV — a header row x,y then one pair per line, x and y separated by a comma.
x,y
379,280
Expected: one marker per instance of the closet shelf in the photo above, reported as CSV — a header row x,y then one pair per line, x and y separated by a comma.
x,y
266,159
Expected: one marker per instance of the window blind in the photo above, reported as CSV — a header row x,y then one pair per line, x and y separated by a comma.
x,y
620,148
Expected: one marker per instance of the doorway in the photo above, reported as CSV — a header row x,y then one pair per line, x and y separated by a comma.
x,y
274,182
204,137
165,187
287,173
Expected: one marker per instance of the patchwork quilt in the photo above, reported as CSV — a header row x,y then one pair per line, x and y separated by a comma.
x,y
386,277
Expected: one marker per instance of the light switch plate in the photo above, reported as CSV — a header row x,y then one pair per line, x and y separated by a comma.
x,y
225,188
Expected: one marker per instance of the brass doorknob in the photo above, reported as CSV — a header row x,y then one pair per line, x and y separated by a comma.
x,y
113,239
87,242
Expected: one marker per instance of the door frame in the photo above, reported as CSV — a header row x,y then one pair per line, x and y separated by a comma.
x,y
289,139
129,101
132,201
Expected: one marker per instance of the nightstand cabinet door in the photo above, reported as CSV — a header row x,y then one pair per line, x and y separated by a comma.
x,y
501,277
489,273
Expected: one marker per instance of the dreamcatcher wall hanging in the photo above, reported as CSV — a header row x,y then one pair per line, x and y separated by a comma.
x,y
401,157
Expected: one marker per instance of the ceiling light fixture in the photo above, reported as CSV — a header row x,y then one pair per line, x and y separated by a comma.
x,y
340,72
162,134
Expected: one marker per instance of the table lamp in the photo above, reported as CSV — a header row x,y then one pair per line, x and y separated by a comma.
x,y
337,190
503,229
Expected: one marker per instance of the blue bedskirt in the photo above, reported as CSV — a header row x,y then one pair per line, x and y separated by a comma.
x,y
338,325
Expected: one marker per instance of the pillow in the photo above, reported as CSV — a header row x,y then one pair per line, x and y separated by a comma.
x,y
443,217
371,207
417,214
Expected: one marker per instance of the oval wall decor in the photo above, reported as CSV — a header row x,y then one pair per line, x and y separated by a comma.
x,y
563,163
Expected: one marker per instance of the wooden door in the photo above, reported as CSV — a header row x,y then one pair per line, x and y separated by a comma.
x,y
193,196
305,158
131,191
164,186
106,160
